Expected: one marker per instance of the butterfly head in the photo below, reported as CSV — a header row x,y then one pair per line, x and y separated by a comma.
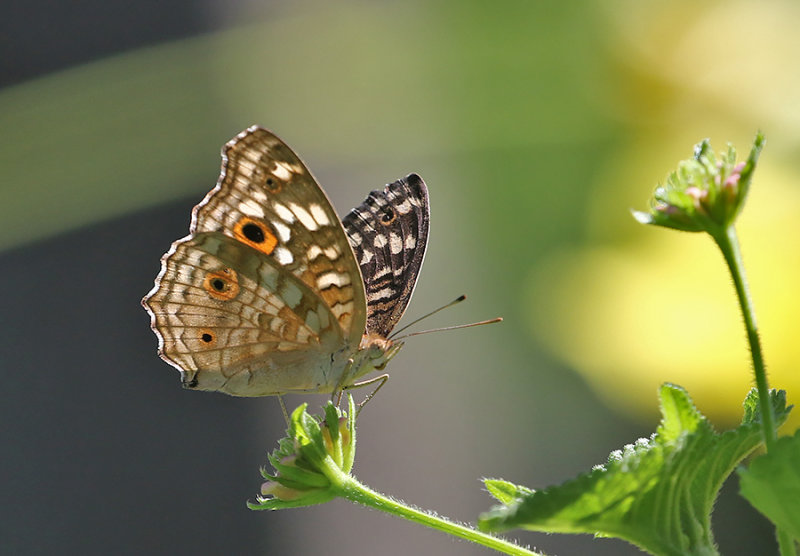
x,y
375,352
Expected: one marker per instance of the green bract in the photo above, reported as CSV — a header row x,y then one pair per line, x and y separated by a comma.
x,y
706,192
304,461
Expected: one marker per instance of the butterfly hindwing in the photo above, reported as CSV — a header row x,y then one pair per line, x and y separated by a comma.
x,y
226,316
389,233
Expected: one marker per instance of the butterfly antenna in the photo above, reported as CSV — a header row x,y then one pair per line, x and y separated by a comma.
x,y
457,327
457,300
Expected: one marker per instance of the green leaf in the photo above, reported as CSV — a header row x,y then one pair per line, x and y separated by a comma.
x,y
504,491
772,484
656,493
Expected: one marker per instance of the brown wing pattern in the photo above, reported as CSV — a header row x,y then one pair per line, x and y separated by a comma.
x,y
389,233
224,315
267,199
264,295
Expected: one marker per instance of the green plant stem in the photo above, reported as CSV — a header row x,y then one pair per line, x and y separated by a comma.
x,y
354,491
729,245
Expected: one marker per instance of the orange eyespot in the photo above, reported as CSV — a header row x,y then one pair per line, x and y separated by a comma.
x,y
272,185
267,178
222,284
256,234
388,215
207,337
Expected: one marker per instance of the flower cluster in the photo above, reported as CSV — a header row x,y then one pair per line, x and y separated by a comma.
x,y
706,192
310,461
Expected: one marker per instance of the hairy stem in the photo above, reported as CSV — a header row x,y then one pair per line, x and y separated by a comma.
x,y
354,491
729,245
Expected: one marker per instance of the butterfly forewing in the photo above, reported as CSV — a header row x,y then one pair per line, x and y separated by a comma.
x,y
264,293
267,199
388,233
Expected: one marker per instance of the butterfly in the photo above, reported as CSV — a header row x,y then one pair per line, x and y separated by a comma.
x,y
271,292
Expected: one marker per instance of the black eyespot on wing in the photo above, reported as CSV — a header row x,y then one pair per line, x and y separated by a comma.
x,y
272,185
253,232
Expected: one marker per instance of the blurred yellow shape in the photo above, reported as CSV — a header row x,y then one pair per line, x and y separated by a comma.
x,y
631,316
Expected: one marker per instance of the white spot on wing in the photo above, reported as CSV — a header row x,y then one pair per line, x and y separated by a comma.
x,y
380,241
313,252
395,243
366,256
381,294
319,215
304,217
251,208
284,213
283,256
332,279
404,207
411,242
284,233
282,172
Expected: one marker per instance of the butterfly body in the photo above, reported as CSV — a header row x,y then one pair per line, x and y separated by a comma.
x,y
266,294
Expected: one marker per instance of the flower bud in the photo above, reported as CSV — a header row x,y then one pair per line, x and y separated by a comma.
x,y
705,193
315,450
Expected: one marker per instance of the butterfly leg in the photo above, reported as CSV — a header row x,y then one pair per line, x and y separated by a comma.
x,y
381,380
339,390
283,409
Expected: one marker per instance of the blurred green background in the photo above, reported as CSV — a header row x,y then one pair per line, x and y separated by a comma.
x,y
537,126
